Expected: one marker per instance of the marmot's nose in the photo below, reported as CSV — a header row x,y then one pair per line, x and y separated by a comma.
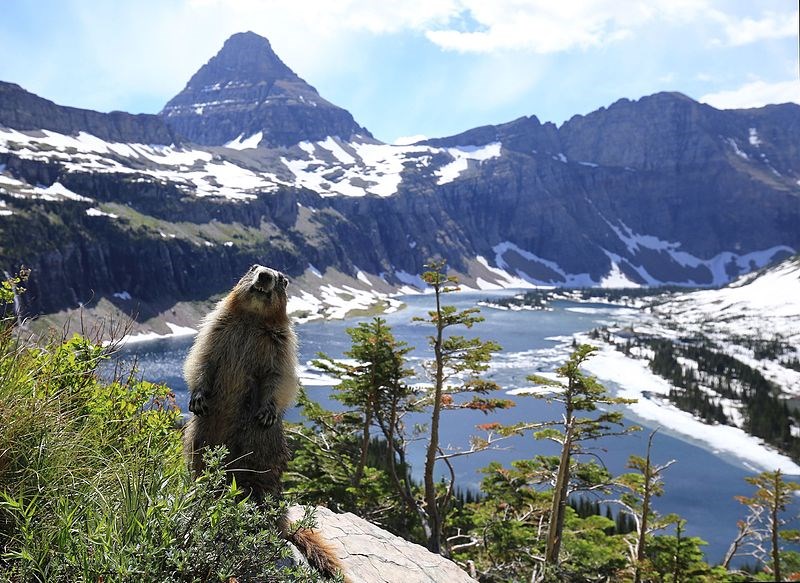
x,y
265,279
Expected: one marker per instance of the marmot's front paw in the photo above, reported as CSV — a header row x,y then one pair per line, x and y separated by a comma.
x,y
198,403
267,415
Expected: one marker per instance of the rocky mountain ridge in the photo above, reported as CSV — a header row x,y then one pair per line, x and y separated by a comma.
x,y
154,210
24,111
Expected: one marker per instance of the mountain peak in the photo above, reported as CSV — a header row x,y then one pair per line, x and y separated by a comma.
x,y
245,57
246,89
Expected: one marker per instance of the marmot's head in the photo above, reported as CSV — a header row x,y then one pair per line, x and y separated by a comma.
x,y
263,291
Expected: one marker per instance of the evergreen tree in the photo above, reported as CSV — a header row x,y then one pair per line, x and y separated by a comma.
x,y
761,531
455,358
640,488
374,383
679,559
341,460
580,393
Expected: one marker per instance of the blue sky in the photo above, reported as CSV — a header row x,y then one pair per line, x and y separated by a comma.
x,y
409,67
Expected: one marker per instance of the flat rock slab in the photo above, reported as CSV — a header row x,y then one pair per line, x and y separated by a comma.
x,y
373,555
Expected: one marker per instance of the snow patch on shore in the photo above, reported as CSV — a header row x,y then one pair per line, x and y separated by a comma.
x,y
175,332
634,380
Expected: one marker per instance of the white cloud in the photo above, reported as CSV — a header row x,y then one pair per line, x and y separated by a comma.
x,y
747,30
755,94
544,26
499,80
478,26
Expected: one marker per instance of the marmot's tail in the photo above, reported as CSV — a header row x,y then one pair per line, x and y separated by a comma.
x,y
319,552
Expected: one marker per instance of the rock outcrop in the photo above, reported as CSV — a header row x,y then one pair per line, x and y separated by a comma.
x,y
372,555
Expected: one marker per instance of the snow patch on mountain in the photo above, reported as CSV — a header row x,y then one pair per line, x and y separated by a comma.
x,y
461,156
195,171
58,189
95,212
408,140
736,150
336,302
362,277
335,168
409,279
338,152
616,279
502,278
719,266
525,265
246,143
176,331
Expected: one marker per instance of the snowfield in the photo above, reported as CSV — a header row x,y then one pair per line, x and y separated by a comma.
x,y
765,303
236,171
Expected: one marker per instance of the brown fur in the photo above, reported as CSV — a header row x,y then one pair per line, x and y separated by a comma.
x,y
317,550
242,375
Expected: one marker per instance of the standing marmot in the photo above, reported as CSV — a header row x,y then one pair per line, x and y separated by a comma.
x,y
242,374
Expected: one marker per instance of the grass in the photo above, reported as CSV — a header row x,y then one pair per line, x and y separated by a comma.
x,y
214,232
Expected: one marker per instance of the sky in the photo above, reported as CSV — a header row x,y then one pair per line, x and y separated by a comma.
x,y
415,67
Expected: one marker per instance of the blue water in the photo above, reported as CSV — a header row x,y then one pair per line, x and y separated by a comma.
x,y
700,487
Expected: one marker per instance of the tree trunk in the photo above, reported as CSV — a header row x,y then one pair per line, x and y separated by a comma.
x,y
776,563
362,462
403,486
640,543
431,505
553,547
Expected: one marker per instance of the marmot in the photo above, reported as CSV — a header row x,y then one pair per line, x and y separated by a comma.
x,y
242,375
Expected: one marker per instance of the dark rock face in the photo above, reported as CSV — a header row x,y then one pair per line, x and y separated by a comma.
x,y
21,110
526,134
246,89
670,131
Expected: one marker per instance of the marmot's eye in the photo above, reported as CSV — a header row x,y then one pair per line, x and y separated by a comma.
x,y
283,281
253,267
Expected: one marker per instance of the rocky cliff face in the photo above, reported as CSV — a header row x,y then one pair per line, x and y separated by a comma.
x,y
659,190
246,91
22,110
